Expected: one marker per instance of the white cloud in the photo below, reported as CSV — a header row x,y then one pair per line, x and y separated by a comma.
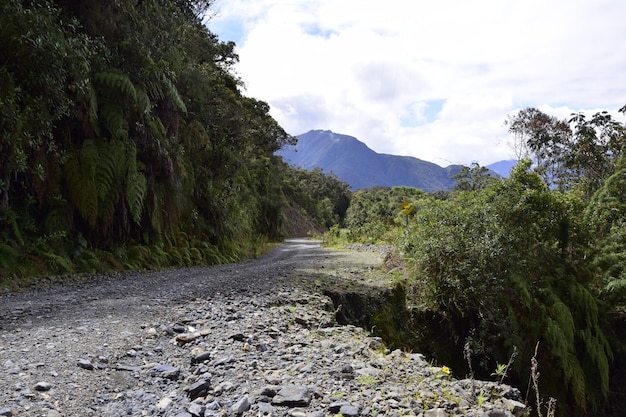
x,y
435,80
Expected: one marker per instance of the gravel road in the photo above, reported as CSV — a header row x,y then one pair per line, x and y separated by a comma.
x,y
253,338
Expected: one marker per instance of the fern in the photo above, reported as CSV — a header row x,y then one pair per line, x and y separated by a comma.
x,y
117,84
143,103
173,95
135,195
58,263
575,379
113,116
8,256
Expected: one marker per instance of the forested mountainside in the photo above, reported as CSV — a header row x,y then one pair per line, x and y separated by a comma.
x,y
354,162
126,141
361,167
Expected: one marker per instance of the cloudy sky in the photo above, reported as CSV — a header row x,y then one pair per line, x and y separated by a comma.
x,y
431,79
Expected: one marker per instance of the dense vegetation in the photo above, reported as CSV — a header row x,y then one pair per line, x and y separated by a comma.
x,y
126,142
533,264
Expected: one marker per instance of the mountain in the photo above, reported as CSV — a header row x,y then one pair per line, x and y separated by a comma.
x,y
353,162
503,168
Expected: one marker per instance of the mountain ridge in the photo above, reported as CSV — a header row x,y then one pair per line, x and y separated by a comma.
x,y
355,163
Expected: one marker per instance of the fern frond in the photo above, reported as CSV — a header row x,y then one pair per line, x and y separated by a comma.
x,y
135,195
118,84
563,316
113,118
575,378
106,172
616,286
8,256
156,127
173,95
143,102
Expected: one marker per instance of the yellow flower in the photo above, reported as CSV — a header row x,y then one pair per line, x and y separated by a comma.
x,y
445,370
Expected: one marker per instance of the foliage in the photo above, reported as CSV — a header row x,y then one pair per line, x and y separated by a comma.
x,y
606,218
576,154
504,265
474,177
324,197
374,211
125,136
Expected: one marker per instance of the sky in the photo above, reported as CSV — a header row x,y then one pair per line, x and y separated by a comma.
x,y
431,79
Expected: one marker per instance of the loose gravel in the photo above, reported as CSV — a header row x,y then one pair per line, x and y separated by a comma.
x,y
251,339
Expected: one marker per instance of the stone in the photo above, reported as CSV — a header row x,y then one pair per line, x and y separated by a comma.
x,y
85,364
239,337
201,357
165,371
43,386
335,406
184,338
517,408
196,410
293,396
6,412
349,410
198,389
53,413
241,406
436,412
223,360
213,405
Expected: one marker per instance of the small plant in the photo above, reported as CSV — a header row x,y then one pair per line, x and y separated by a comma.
x,y
502,369
368,380
534,379
481,398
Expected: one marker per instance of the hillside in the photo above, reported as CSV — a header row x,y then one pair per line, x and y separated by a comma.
x,y
361,167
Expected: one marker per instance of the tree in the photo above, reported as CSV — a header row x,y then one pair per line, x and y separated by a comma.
x,y
542,138
505,266
472,178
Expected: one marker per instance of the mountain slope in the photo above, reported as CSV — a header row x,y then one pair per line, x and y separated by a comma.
x,y
353,162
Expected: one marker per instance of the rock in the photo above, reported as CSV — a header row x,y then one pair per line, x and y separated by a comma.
x,y
334,407
201,357
185,338
165,371
239,337
85,364
127,368
53,413
213,405
436,412
241,406
293,396
164,403
6,412
196,410
517,408
223,360
43,386
199,388
349,410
